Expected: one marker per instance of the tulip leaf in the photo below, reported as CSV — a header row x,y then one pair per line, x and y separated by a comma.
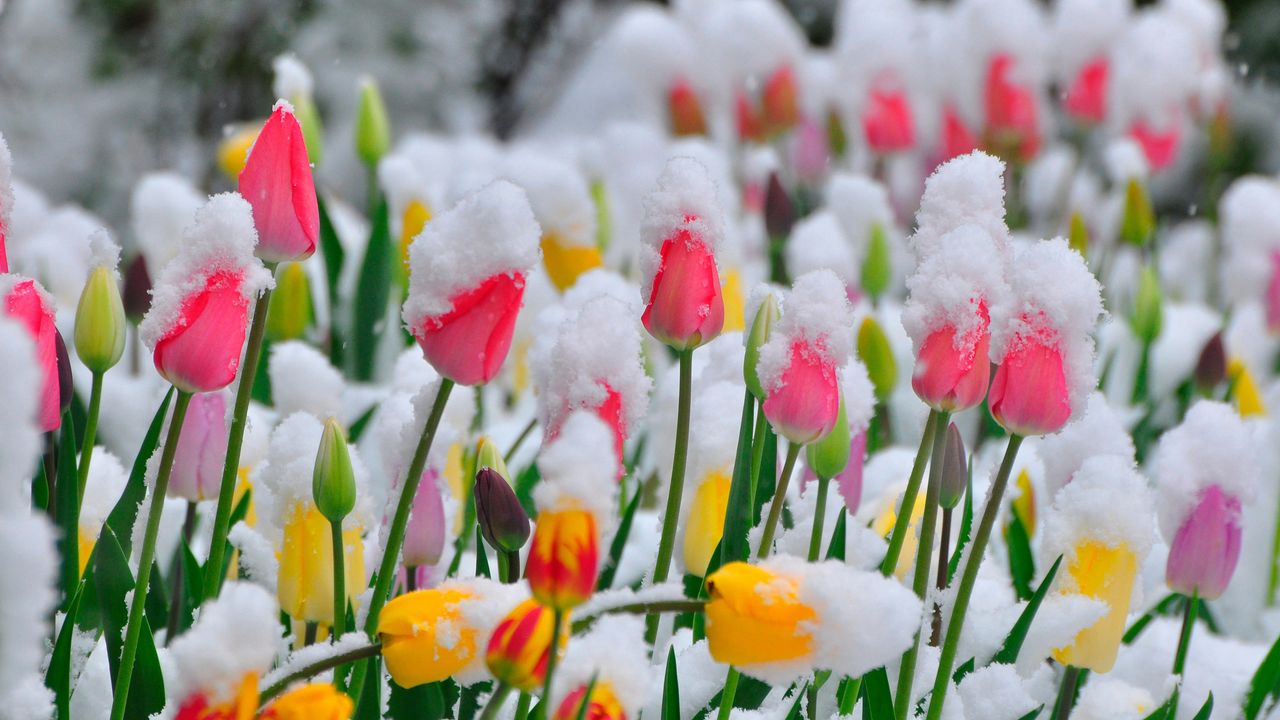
x,y
966,526
768,480
40,490
188,598
1033,714
58,677
671,689
737,520
1022,566
1206,710
125,513
1160,713
1265,683
66,503
1008,653
585,703
333,255
424,702
877,703
482,557
1167,606
835,551
373,293
619,542
370,707
115,583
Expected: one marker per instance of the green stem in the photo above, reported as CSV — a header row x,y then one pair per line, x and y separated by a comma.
x,y
133,631
498,697
213,575
522,706
1184,644
727,695
977,548
819,512
757,459
1067,693
175,592
779,497
1273,582
924,554
902,525
944,562
524,435
553,653
319,666
339,582
512,566
671,516
90,433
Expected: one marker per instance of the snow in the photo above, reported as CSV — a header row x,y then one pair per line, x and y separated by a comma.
x,y
997,692
965,271
20,384
488,603
1097,431
859,397
1107,698
816,312
858,203
557,193
236,633
222,239
1108,502
302,380
164,205
1212,446
106,481
1083,30
1126,161
967,190
6,184
1250,228
489,232
579,471
292,78
27,600
104,252
818,243
1153,70
686,199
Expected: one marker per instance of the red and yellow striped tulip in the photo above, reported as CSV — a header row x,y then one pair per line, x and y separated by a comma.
x,y
564,558
602,704
521,646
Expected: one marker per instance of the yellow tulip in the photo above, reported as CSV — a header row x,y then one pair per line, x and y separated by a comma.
x,y
705,525
520,365
1104,573
1024,506
86,539
735,303
1244,390
234,148
423,636
565,263
883,526
415,218
455,478
754,616
317,701
305,586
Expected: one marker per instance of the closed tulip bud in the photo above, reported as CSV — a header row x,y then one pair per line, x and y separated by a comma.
x,y
1211,368
333,483
503,521
876,353
745,626
779,101
705,525
489,456
837,139
887,120
137,289
1086,98
564,558
425,637
1138,222
1024,505
277,183
829,455
1105,573
290,310
373,130
26,302
761,326
955,470
520,647
304,583
424,535
877,269
1244,390
317,701
100,322
685,110
779,211
1078,234
1147,312
601,704
202,449
1206,548
66,389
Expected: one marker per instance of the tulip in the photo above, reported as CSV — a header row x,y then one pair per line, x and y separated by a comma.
x,y
469,343
424,637
424,535
1206,548
735,303
137,289
1244,390
952,374
1138,223
849,481
1029,394
828,456
684,110
564,558
779,210
875,352
755,616
503,521
415,218
957,138
1272,300
1104,573
565,263
1086,98
201,352
333,482
305,581
242,705
66,388
887,121
1211,367
750,124
877,267
1012,121
778,101
1159,146
520,647
290,310
601,704
955,470
373,130
100,325
1024,505
1147,313
761,327
804,405
202,449
233,151
277,182
1078,234
686,304
705,524
317,701
810,154
27,302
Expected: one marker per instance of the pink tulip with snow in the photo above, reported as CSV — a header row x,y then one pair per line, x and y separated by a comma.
x,y
202,449
467,275
201,302
26,302
1154,75
277,182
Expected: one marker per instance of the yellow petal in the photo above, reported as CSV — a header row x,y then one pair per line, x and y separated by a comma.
x,y
317,701
1104,573
735,303
755,616
234,149
565,263
423,638
885,521
705,525
305,583
1244,390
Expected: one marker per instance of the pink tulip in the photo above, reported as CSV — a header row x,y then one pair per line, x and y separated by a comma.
x,y
957,138
750,123
954,378
277,182
810,156
27,303
804,405
200,352
611,411
1203,555
1011,115
849,481
1273,294
686,308
1160,146
469,343
424,535
202,449
1086,99
1029,393
887,121
685,109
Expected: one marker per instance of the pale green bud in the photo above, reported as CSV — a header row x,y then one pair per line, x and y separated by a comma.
x,y
290,310
333,484
100,321
828,456
1138,223
488,456
761,326
877,268
373,130
876,353
1147,314
1078,234
304,109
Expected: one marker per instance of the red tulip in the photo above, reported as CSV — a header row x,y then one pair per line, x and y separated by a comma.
x,y
1011,116
469,343
564,558
685,110
27,303
1029,393
201,351
1273,294
611,411
957,138
887,121
803,407
1160,146
750,124
686,307
277,182
1086,99
953,376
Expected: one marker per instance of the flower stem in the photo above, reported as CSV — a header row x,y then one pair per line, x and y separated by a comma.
x,y
850,687
522,706
727,695
1184,644
1273,581
779,496
924,553
524,435
339,582
819,513
133,631
213,575
944,561
90,433
757,459
512,566
902,524
977,548
1067,693
671,516
498,697
553,656
308,671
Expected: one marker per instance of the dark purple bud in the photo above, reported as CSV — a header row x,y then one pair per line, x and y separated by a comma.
x,y
65,388
1211,368
779,214
503,521
137,289
955,470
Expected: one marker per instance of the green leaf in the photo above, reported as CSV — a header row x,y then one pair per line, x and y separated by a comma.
x,y
1205,710
373,292
768,480
1160,713
192,588
619,542
835,551
737,520
66,502
424,702
115,581
333,255
370,707
1022,566
1168,605
966,526
482,557
125,513
963,669
1008,653
1265,683
525,482
58,677
1033,714
40,489
877,702
671,689
362,422
157,605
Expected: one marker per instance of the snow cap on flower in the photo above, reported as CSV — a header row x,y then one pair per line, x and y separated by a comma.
x,y
6,199
302,380
578,470
285,480
236,633
967,190
163,206
858,394
817,313
489,232
1212,447
1084,30
1250,224
221,240
20,383
966,269
292,78
1153,70
686,198
1107,501
612,652
1097,431
557,193
818,243
488,603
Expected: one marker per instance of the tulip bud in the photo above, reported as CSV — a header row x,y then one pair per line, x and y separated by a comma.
x,y
876,266
837,140
876,353
685,110
1078,234
65,387
333,483
779,212
778,101
704,526
1024,505
564,559
601,704
234,149
201,450
373,131
1244,390
137,289
829,455
745,626
290,310
1146,317
503,521
304,108
955,470
1206,548
316,701
100,322
26,302
1139,220
1211,368
488,456
766,315
520,647
424,534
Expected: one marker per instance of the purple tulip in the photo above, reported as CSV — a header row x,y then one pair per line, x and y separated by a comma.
x,y
1205,550
850,480
202,449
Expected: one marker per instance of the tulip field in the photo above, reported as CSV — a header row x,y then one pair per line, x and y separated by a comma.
x,y
926,370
